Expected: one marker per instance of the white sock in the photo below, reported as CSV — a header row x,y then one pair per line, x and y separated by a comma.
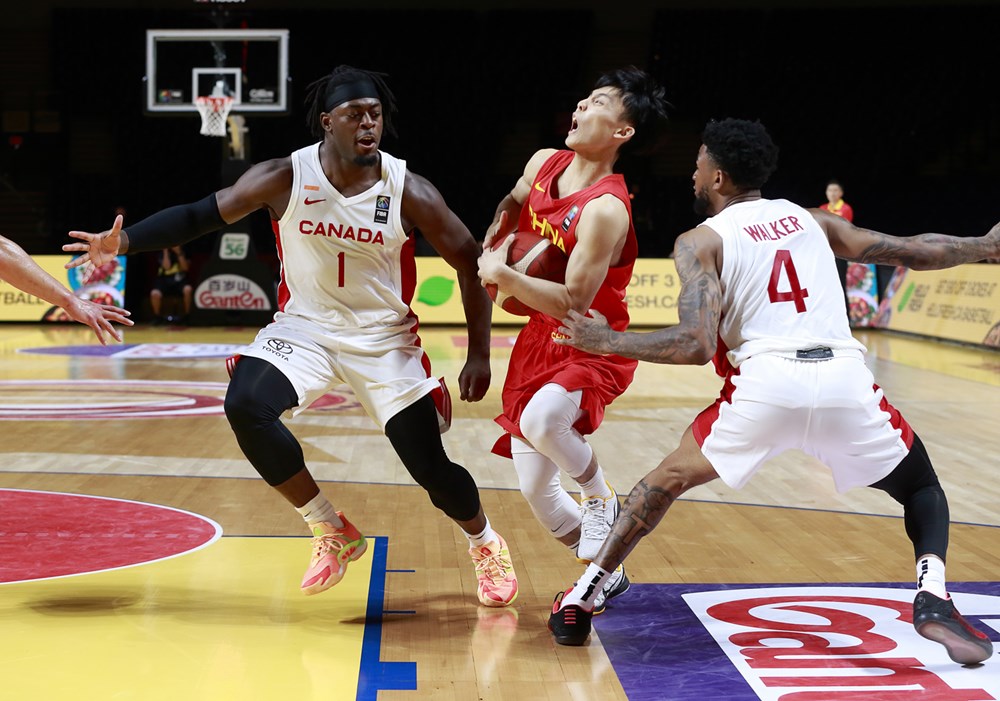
x,y
930,576
586,589
596,486
318,509
480,539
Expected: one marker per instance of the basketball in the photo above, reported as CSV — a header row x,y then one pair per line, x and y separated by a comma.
x,y
533,255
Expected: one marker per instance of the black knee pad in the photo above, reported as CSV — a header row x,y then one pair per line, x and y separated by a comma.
x,y
915,485
912,474
258,393
415,436
257,396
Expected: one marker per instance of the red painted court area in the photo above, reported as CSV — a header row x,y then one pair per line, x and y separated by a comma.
x,y
51,534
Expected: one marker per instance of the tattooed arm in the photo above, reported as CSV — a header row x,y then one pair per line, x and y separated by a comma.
x,y
698,258
920,252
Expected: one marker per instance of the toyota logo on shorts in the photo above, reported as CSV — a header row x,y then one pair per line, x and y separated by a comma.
x,y
279,346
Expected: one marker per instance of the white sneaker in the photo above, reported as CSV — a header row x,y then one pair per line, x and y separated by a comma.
x,y
598,517
616,585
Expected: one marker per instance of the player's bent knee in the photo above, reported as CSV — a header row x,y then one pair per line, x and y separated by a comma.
x,y
242,412
676,478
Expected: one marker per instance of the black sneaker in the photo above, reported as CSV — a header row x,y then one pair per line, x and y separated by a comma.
x,y
938,620
570,625
616,585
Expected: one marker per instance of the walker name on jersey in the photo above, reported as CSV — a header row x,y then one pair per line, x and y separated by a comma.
x,y
793,643
775,230
341,231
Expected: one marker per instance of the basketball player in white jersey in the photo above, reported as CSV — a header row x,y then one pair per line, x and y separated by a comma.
x,y
760,293
344,213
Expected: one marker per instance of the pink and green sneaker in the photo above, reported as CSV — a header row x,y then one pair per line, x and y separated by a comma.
x,y
333,548
495,571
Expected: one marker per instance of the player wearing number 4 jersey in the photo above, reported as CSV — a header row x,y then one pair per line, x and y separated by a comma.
x,y
344,213
760,290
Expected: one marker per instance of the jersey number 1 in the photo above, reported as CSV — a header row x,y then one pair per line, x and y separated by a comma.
x,y
783,261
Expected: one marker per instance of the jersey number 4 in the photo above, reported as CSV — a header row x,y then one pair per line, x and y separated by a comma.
x,y
796,293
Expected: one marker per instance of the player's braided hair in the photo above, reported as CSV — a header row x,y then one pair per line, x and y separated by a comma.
x,y
645,103
316,91
743,149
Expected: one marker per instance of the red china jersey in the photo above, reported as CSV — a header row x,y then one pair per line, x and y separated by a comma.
x,y
556,219
840,208
535,359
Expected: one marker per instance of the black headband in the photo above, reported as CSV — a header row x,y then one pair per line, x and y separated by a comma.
x,y
345,92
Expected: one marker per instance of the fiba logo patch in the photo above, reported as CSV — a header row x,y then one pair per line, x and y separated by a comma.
x,y
570,216
382,209
278,347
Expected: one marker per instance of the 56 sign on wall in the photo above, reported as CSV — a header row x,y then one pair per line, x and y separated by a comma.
x,y
234,246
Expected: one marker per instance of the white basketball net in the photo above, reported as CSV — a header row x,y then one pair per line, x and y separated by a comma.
x,y
214,111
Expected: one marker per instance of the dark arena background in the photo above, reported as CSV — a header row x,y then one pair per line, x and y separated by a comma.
x,y
142,557
898,100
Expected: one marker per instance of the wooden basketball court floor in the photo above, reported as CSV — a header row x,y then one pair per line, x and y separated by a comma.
x,y
216,612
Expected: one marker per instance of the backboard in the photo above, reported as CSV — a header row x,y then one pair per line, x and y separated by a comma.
x,y
250,65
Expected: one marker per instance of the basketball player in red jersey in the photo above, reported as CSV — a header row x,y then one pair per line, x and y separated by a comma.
x,y
343,214
555,395
759,291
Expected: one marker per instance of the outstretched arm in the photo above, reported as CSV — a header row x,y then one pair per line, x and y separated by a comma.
x,y
18,269
266,184
425,209
697,255
920,252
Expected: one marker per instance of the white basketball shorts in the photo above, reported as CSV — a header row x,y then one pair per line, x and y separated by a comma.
x,y
830,409
387,371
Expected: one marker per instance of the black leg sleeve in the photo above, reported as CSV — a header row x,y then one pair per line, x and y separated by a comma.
x,y
416,438
258,394
915,485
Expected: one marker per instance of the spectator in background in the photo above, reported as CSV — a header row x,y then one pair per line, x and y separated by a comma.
x,y
835,201
171,279
835,205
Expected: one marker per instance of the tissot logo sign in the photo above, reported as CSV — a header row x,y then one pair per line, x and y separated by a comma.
x,y
792,643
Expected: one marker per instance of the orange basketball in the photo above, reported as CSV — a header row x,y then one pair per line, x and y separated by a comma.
x,y
535,256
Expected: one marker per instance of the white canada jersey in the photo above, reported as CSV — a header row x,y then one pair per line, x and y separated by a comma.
x,y
346,262
780,287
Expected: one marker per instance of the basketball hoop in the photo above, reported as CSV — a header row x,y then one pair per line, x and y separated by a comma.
x,y
214,111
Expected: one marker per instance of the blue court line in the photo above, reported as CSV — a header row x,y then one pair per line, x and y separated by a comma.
x,y
375,674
